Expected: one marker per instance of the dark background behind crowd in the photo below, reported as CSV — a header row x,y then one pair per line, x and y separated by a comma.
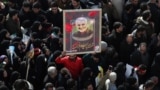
x,y
32,56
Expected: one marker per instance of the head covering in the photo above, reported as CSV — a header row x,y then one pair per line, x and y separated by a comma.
x,y
113,76
2,57
52,69
103,45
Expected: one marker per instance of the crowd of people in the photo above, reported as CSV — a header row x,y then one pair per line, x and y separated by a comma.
x,y
32,55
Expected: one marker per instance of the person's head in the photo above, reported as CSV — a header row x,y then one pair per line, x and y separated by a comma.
x,y
3,87
143,47
128,7
56,30
46,51
36,7
14,76
4,34
113,77
20,84
2,5
144,6
72,57
118,26
13,14
81,24
86,73
129,38
3,60
154,79
26,6
36,26
104,46
76,3
71,84
49,86
88,86
42,18
132,81
120,67
54,7
60,88
142,69
140,30
65,73
149,85
52,71
105,30
146,15
96,57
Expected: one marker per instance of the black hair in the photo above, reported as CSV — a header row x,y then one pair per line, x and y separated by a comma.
x,y
140,28
128,7
3,87
53,4
86,84
146,14
143,6
36,5
26,4
56,30
117,25
149,83
26,23
20,84
131,80
13,12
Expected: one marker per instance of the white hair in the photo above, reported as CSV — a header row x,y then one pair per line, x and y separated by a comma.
x,y
52,69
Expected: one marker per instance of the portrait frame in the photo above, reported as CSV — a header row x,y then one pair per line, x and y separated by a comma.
x,y
77,22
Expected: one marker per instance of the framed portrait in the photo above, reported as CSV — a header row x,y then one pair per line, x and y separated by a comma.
x,y
82,31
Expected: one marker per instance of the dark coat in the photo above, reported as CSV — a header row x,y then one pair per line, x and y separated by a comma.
x,y
55,19
137,58
114,39
155,68
24,15
125,51
13,26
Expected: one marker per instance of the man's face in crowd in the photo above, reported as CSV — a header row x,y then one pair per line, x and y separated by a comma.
x,y
75,4
120,29
36,10
15,17
143,49
129,39
72,57
54,10
90,87
81,24
26,9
